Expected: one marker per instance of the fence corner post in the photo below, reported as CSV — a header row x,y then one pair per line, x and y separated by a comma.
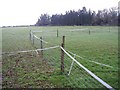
x,y
62,54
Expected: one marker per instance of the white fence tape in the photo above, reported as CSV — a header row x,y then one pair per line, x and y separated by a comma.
x,y
48,48
78,29
36,37
12,53
36,31
39,39
101,64
92,61
88,71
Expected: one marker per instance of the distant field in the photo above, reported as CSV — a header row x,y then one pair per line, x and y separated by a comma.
x,y
93,43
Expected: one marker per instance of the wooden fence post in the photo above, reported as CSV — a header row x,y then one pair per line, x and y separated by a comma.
x,y
41,46
62,54
57,32
89,32
33,39
30,34
109,28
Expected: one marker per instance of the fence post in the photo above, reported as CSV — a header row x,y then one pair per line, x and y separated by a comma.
x,y
57,32
62,54
33,39
109,28
30,34
89,32
41,46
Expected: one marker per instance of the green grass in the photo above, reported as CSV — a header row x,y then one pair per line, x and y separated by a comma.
x,y
100,46
30,71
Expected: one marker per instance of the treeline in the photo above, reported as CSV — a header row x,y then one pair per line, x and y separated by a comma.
x,y
81,17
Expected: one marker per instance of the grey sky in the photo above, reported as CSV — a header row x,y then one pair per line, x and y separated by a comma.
x,y
25,12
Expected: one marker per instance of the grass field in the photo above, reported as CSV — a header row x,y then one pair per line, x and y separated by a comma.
x,y
93,43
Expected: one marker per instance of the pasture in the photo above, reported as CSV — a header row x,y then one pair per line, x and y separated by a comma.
x,y
96,48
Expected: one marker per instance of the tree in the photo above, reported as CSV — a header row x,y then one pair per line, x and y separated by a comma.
x,y
119,20
43,20
113,15
81,17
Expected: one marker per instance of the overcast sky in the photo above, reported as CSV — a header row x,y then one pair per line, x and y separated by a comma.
x,y
26,12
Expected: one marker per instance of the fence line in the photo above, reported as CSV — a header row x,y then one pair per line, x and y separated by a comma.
x,y
36,31
33,37
91,61
88,71
78,29
30,50
73,61
37,37
80,65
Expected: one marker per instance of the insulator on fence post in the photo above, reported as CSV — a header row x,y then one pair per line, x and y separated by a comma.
x,y
62,54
